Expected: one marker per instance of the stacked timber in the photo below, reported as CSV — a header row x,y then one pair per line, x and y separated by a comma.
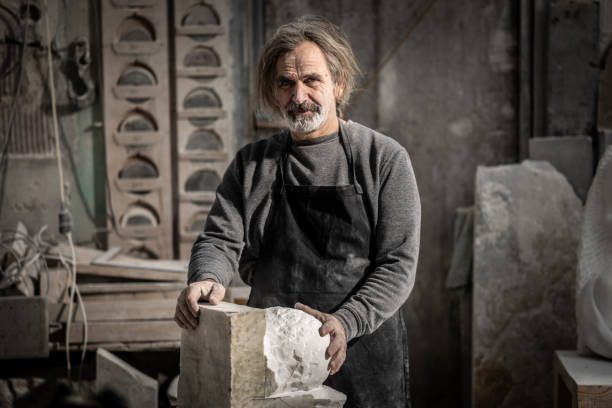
x,y
129,303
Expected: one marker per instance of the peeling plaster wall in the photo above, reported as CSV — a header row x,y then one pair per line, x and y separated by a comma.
x,y
30,186
449,96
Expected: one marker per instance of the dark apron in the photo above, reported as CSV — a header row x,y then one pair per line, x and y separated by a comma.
x,y
316,250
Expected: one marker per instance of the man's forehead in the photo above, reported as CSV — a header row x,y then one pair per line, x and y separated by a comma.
x,y
305,58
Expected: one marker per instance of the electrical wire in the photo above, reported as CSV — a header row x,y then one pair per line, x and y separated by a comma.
x,y
64,206
70,266
82,308
8,13
88,211
54,110
7,132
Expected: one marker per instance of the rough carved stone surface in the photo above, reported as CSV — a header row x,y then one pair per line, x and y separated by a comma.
x,y
294,350
594,280
240,356
527,223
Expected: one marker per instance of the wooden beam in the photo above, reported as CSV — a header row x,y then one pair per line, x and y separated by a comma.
x,y
109,311
117,297
123,266
119,346
122,331
120,287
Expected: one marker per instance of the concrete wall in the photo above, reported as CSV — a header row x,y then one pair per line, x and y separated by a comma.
x,y
448,94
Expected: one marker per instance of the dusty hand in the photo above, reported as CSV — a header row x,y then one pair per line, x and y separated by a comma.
x,y
187,310
332,326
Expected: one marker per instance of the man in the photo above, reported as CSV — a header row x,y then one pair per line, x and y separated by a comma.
x,y
324,216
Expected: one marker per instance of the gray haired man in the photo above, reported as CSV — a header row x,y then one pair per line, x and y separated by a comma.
x,y
324,216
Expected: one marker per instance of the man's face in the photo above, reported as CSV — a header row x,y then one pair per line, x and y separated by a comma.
x,y
304,89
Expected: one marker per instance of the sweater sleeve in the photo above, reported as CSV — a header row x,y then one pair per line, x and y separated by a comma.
x,y
216,251
397,247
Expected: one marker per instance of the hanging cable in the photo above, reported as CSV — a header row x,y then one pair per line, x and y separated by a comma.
x,y
65,218
7,131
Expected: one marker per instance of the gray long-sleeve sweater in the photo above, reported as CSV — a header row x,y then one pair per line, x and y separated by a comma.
x,y
234,229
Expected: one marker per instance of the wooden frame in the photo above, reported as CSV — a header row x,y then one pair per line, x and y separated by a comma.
x,y
213,40
151,99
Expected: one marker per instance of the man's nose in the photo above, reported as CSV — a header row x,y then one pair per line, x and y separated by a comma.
x,y
299,93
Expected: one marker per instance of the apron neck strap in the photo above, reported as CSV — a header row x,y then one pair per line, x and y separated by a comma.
x,y
348,151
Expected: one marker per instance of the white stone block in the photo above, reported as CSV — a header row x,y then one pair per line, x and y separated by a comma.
x,y
240,356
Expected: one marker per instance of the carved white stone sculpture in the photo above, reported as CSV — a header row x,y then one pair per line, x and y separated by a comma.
x,y
594,281
240,356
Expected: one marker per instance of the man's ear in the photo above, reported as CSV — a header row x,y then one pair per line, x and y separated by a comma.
x,y
338,91
339,88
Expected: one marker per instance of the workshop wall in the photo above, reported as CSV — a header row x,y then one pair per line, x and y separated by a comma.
x,y
29,186
447,94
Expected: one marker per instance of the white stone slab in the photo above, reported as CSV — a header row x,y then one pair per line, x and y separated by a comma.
x,y
240,356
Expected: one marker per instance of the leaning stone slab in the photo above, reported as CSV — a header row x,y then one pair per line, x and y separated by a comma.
x,y
526,233
240,356
138,389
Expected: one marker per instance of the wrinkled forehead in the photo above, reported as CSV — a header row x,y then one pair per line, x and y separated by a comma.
x,y
307,58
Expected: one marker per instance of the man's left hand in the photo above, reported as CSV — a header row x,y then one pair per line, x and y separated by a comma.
x,y
332,326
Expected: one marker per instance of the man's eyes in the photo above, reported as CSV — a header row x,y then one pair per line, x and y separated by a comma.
x,y
288,83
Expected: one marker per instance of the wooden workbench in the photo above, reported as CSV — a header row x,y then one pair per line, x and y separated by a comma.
x,y
581,381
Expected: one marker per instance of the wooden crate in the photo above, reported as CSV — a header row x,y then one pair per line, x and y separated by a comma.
x,y
581,382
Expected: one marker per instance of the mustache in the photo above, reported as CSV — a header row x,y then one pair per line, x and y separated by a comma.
x,y
295,108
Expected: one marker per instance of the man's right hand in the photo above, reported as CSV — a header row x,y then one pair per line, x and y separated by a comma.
x,y
187,310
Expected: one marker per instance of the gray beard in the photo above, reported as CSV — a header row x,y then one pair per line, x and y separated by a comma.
x,y
305,123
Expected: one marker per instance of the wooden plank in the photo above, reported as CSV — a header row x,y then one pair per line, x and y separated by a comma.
x,y
88,288
108,255
126,346
123,310
112,257
124,266
114,272
24,327
122,331
116,297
